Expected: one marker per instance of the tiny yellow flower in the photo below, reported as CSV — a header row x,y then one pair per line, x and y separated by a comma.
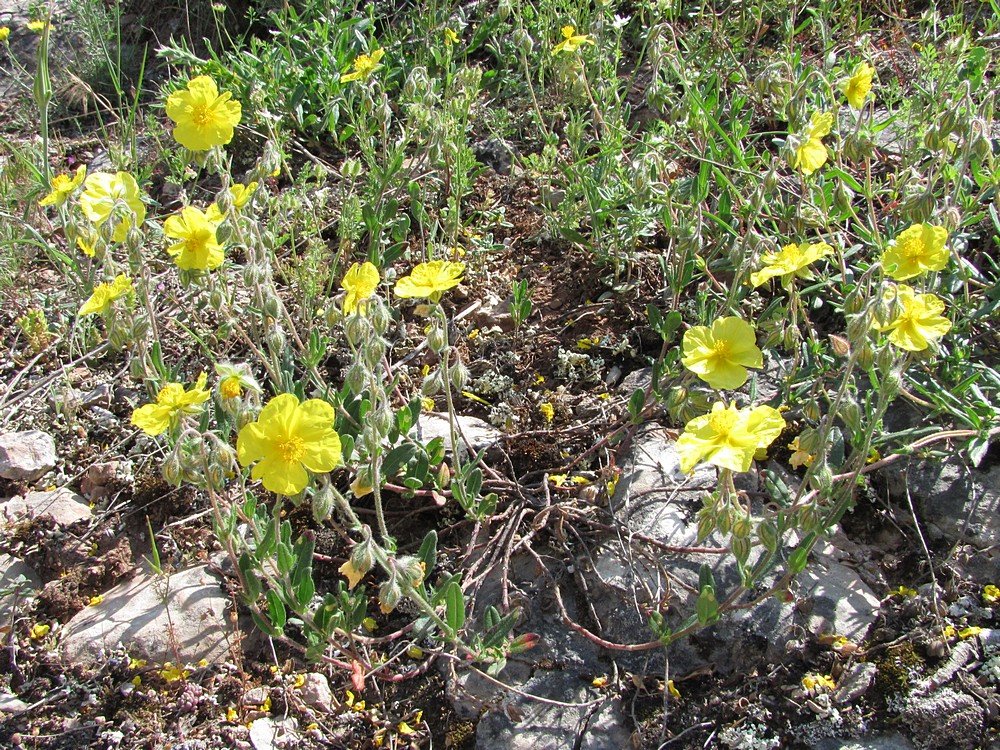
x,y
230,387
39,630
203,663
353,702
816,683
351,573
362,485
171,673
405,729
299,681
137,680
360,283
991,594
720,355
949,632
312,727
728,437
971,632
547,411
62,186
451,37
792,262
242,193
95,600
917,250
904,591
430,280
198,247
231,716
87,246
369,624
571,41
136,663
4,33
859,85
363,66
104,193
104,294
287,439
172,402
811,154
672,690
919,322
599,682
204,118
37,26
799,457
427,403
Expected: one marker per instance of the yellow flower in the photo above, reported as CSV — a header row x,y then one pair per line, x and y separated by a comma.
x,y
430,279
791,262
991,594
363,66
904,591
360,283
4,33
811,154
171,673
288,438
814,683
919,322
451,37
204,117
859,85
672,690
199,247
95,600
728,437
87,245
799,457
971,632
351,573
720,355
369,624
571,41
405,729
39,630
917,250
242,193
104,294
547,410
104,193
172,401
230,387
599,682
362,484
62,186
38,26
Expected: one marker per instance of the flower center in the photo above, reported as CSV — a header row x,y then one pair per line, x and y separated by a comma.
x,y
291,448
722,422
202,115
721,350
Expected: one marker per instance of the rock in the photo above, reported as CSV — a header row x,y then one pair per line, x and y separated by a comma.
x,y
473,433
520,724
256,696
958,503
268,733
26,456
18,581
887,742
655,499
494,153
67,44
64,506
855,682
945,719
177,618
316,693
11,704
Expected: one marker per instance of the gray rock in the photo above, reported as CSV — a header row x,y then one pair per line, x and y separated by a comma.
x,y
945,719
11,704
855,682
316,693
521,724
886,742
268,733
655,499
958,503
17,581
26,456
473,434
64,506
180,617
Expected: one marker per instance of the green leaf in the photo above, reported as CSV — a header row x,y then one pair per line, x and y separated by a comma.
x,y
707,608
427,554
276,610
636,404
250,576
454,601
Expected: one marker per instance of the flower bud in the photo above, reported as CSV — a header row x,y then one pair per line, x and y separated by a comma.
x,y
224,200
216,299
224,233
172,469
356,327
355,378
459,376
270,304
437,339
381,420
322,502
276,340
351,169
841,346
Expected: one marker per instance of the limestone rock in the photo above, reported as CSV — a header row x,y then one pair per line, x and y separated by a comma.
x,y
945,719
64,506
473,434
316,693
268,733
180,617
26,456
11,704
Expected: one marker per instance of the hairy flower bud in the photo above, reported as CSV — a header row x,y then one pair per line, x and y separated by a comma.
x,y
459,376
437,339
322,502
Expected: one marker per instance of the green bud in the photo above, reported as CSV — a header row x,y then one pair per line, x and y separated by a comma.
x,y
322,502
459,376
768,535
356,378
740,547
437,339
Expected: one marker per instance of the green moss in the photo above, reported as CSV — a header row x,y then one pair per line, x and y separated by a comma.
x,y
896,666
